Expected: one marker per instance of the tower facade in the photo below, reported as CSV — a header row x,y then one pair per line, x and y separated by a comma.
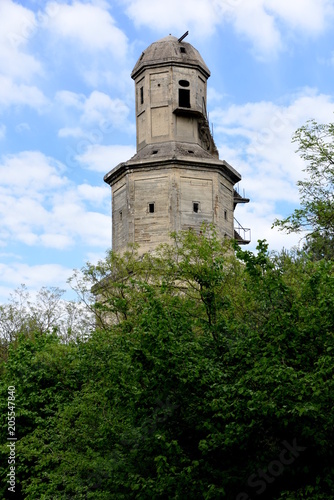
x,y
176,180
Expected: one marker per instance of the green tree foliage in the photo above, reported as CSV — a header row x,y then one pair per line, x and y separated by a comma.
x,y
210,376
316,214
45,312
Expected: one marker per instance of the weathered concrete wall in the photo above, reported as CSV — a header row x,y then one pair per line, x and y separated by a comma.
x,y
149,204
157,97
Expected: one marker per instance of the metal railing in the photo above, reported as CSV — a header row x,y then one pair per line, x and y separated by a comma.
x,y
243,233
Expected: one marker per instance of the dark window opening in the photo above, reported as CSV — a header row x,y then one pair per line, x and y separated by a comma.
x,y
154,152
141,95
195,207
184,98
121,215
184,83
183,50
151,208
225,214
190,151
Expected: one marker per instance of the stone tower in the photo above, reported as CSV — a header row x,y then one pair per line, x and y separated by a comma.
x,y
175,181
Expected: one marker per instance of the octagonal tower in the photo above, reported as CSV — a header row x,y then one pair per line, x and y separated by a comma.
x,y
175,181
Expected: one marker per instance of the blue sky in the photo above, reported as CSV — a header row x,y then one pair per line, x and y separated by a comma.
x,y
67,114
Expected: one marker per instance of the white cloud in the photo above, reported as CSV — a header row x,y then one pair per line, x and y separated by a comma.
x,y
18,66
90,25
33,276
17,25
20,94
97,115
103,158
76,220
309,15
70,99
29,172
262,22
71,132
256,139
93,194
40,206
198,14
214,96
259,216
248,19
55,240
99,107
105,74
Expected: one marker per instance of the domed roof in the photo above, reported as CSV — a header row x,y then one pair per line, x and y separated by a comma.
x,y
169,51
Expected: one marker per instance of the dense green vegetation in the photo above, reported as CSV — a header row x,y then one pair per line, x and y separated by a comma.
x,y
316,212
213,380
217,364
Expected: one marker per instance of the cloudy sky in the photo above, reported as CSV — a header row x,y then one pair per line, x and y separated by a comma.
x,y
67,113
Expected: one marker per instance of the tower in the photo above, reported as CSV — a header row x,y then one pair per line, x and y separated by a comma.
x,y
176,180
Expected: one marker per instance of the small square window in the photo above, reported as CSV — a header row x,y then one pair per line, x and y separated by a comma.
x,y
196,207
183,50
151,208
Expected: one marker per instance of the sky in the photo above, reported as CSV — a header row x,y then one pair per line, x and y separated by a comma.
x,y
67,114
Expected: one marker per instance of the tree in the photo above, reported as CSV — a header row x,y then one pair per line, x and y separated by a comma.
x,y
216,381
45,375
47,311
316,215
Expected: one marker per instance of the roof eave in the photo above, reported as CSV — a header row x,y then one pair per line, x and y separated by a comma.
x,y
169,62
184,162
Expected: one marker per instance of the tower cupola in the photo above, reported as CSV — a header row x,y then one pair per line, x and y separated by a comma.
x,y
171,94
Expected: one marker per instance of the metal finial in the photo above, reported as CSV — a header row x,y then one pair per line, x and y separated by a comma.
x,y
183,36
